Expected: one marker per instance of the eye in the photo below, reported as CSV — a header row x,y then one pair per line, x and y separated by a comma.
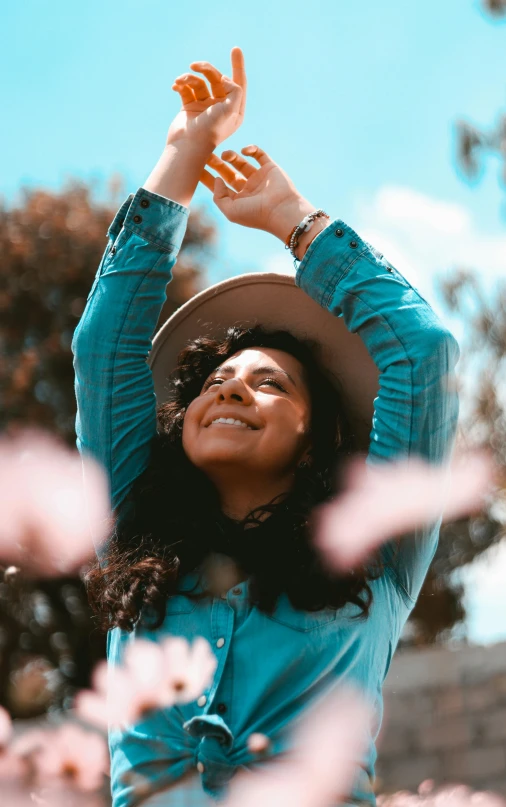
x,y
274,383
271,381
210,382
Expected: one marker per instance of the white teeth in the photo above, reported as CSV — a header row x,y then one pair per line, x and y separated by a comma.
x,y
232,422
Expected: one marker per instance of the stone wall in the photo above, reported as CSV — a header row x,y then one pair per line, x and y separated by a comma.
x,y
444,719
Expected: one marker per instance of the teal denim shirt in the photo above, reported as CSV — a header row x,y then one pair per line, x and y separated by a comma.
x,y
269,667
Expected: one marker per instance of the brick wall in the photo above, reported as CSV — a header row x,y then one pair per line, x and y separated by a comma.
x,y
444,719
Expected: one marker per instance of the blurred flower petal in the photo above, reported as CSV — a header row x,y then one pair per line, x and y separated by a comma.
x,y
12,767
449,795
389,499
190,669
92,707
28,741
66,753
144,661
53,503
319,771
5,727
152,676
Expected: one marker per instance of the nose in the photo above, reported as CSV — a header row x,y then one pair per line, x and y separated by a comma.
x,y
233,389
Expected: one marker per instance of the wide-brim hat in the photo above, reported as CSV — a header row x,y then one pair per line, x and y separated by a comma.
x,y
275,302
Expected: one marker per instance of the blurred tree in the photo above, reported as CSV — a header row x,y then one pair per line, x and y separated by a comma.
x,y
50,248
495,7
483,424
483,358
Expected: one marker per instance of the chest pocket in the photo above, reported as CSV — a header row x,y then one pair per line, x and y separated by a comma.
x,y
303,621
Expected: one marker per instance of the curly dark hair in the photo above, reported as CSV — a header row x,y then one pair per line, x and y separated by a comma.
x,y
160,535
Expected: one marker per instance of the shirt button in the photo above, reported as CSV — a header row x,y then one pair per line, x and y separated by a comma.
x,y
202,700
353,244
113,250
236,591
222,708
144,203
339,232
220,642
137,219
200,767
390,268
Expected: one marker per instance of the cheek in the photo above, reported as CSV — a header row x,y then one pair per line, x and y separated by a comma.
x,y
290,422
191,423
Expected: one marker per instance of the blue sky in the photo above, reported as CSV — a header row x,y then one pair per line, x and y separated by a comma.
x,y
356,101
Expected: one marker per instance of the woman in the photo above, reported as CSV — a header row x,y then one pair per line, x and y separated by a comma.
x,y
248,433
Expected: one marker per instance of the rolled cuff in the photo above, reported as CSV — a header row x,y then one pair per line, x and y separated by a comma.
x,y
154,218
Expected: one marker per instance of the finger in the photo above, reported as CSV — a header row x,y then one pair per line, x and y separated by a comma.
x,y
258,154
213,76
239,74
223,196
227,172
239,163
197,84
207,179
186,93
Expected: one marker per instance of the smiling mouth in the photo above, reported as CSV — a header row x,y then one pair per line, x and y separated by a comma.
x,y
238,424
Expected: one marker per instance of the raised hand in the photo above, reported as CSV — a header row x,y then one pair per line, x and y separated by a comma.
x,y
264,198
209,116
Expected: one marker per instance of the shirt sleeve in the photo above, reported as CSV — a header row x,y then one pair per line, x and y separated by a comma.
x,y
116,404
416,408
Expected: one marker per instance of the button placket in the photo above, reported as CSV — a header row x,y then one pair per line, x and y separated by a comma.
x,y
222,628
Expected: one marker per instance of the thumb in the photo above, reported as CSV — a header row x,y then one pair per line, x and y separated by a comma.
x,y
223,196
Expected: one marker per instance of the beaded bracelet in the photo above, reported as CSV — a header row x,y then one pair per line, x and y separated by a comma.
x,y
292,242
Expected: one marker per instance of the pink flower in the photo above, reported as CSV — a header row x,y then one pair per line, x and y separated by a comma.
x,y
448,795
189,669
319,771
52,503
68,754
153,676
5,727
391,498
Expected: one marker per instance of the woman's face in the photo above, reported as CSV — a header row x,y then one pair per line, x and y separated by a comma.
x,y
265,391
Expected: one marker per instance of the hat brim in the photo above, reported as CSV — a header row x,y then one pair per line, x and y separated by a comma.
x,y
274,301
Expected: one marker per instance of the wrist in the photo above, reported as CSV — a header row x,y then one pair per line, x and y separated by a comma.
x,y
177,172
290,214
191,145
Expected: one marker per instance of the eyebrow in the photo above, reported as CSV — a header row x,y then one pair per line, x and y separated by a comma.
x,y
229,368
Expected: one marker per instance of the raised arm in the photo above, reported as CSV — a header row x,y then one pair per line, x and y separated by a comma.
x,y
416,409
116,406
